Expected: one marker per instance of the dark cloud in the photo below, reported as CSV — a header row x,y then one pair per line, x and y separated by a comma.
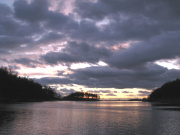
x,y
94,10
161,47
128,22
14,68
126,92
57,21
111,94
5,10
28,11
27,62
131,20
103,8
65,92
105,91
53,80
32,24
11,42
94,91
101,92
4,60
88,31
148,77
76,53
48,19
144,93
14,32
49,38
3,51
155,9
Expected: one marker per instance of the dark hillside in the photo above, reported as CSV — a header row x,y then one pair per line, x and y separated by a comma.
x,y
15,88
170,91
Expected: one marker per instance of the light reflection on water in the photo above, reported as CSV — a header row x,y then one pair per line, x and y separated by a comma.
x,y
87,118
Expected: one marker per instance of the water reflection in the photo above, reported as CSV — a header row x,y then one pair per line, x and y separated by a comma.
x,y
87,118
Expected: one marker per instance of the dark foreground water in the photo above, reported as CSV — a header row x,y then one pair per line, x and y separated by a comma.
x,y
88,118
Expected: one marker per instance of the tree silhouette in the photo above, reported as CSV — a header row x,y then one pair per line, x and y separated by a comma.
x,y
15,88
84,96
168,91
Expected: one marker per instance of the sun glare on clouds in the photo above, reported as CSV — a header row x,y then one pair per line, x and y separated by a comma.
x,y
170,64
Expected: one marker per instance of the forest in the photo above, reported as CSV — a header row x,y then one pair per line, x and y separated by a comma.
x,y
21,89
169,92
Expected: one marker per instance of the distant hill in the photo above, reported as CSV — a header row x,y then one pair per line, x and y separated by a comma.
x,y
169,92
15,88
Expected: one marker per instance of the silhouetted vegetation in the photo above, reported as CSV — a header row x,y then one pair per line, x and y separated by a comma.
x,y
82,96
15,88
169,92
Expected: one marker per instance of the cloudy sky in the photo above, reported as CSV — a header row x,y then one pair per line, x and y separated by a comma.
x,y
118,49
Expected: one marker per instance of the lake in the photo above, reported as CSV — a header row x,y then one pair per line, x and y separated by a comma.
x,y
88,118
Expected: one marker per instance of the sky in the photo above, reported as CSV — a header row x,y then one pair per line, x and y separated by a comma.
x,y
119,49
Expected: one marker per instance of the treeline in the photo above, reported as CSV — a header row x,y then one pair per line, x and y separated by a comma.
x,y
170,91
82,96
15,88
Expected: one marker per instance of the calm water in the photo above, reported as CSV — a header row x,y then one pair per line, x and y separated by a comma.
x,y
88,118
